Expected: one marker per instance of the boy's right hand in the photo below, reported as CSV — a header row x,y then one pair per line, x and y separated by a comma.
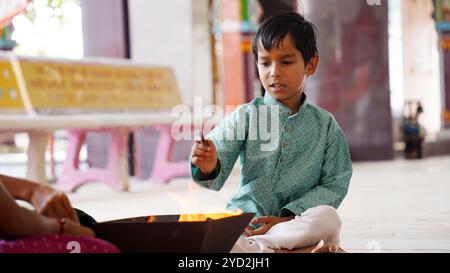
x,y
204,156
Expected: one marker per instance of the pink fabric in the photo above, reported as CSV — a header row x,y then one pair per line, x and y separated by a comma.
x,y
57,244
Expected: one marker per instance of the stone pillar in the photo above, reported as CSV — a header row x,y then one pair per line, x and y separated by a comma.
x,y
353,76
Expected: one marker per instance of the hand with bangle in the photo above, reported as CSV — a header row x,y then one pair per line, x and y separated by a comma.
x,y
52,203
62,225
69,227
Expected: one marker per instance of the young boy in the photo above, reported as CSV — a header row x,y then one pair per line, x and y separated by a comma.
x,y
295,187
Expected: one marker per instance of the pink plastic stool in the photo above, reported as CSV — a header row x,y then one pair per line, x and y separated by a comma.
x,y
163,169
116,172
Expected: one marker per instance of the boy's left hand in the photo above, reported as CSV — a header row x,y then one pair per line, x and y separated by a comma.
x,y
267,221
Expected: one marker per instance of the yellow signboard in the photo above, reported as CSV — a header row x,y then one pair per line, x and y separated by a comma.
x,y
87,86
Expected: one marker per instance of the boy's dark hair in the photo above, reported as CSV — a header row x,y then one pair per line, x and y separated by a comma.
x,y
273,30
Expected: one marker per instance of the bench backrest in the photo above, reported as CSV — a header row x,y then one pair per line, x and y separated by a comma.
x,y
43,85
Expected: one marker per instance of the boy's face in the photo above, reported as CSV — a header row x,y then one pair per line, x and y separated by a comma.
x,y
282,71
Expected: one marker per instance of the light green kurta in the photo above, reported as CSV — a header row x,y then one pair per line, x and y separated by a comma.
x,y
311,166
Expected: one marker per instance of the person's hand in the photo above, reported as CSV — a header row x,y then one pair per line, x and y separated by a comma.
x,y
52,203
73,228
204,156
267,221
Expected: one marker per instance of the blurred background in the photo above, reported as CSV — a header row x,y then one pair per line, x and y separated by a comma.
x,y
379,63
384,74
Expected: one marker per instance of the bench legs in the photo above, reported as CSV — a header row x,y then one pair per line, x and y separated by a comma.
x,y
164,170
116,172
36,157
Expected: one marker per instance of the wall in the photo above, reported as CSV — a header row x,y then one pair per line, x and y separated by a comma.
x,y
174,33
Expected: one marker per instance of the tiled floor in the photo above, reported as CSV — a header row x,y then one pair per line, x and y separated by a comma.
x,y
394,206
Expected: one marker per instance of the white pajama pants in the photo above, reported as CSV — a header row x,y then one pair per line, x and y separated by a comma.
x,y
308,229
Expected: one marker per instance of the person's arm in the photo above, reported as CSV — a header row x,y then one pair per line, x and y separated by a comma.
x,y
46,200
227,148
19,188
17,222
335,177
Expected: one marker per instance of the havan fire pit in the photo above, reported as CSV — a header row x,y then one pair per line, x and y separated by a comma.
x,y
186,233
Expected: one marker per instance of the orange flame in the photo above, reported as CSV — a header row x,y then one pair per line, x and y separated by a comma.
x,y
203,217
190,205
